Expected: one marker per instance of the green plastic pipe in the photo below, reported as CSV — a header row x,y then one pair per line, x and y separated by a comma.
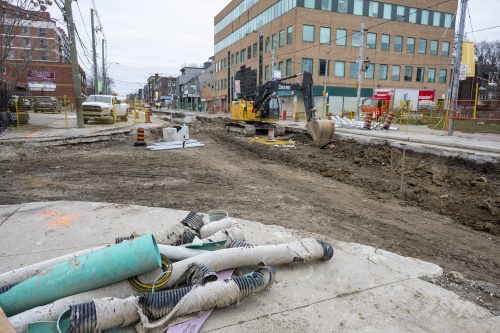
x,y
86,272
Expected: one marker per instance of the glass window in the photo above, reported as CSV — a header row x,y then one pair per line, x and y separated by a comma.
x,y
26,30
370,72
371,40
424,17
308,34
324,35
398,44
289,35
42,32
339,69
431,75
442,76
373,9
410,45
288,67
343,6
266,42
356,39
237,57
341,39
422,46
249,55
307,65
420,74
445,49
353,70
274,41
386,42
400,13
309,3
323,67
412,16
45,56
358,7
408,73
436,21
254,50
326,4
282,38
27,42
266,73
434,47
447,20
382,72
387,11
280,68
242,55
232,59
396,73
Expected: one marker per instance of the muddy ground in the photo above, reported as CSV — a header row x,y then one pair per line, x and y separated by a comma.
x,y
448,212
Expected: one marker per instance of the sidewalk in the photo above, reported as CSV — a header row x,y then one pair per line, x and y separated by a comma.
x,y
479,147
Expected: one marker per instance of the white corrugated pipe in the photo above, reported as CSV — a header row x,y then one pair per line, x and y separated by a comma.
x,y
304,250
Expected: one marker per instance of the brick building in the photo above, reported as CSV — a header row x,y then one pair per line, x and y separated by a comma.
x,y
408,42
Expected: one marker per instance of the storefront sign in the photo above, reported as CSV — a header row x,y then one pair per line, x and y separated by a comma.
x,y
41,80
426,96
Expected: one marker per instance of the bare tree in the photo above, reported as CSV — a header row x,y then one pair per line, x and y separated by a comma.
x,y
14,16
488,53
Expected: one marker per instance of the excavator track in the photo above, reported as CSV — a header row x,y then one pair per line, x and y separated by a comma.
x,y
240,127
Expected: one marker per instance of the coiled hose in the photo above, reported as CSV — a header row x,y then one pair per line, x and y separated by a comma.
x,y
199,274
193,221
83,318
236,244
158,284
158,305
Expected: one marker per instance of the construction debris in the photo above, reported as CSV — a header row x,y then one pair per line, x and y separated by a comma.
x,y
175,145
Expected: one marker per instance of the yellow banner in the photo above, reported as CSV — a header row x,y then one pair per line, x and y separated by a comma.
x,y
469,59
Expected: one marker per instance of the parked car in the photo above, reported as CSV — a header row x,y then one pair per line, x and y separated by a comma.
x,y
47,104
104,107
26,104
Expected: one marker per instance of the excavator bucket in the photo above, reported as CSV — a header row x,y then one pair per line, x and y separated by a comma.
x,y
321,131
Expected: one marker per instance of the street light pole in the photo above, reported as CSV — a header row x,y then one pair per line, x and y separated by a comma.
x,y
360,72
94,53
104,85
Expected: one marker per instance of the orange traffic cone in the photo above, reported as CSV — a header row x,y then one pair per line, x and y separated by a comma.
x,y
140,138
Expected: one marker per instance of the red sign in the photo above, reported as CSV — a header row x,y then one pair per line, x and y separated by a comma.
x,y
223,97
41,76
385,95
426,95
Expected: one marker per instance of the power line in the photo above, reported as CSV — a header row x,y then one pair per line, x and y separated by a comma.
x,y
83,22
470,21
484,29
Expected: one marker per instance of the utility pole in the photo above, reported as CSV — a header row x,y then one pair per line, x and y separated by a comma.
x,y
94,54
104,85
74,64
261,57
360,72
456,67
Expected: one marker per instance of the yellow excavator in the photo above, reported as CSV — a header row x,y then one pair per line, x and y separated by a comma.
x,y
249,116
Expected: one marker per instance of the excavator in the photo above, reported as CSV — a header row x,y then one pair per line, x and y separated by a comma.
x,y
249,116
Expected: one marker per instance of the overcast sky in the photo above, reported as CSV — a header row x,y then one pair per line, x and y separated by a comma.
x,y
158,36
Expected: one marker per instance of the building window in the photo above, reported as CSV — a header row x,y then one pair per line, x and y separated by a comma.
x,y
343,6
410,45
447,20
308,34
398,44
422,46
424,17
288,67
356,39
431,75
341,39
371,40
442,76
436,20
280,68
400,13
274,41
323,67
326,4
10,54
267,48
242,55
289,35
27,42
387,11
358,7
237,58
396,73
249,55
339,69
309,3
44,56
353,70
408,73
373,9
382,72
370,72
282,38
420,74
386,42
26,30
42,32
324,35
43,43
232,59
445,49
307,65
266,73
254,50
412,17
434,47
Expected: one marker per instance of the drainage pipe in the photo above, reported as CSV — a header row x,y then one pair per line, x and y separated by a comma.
x,y
87,272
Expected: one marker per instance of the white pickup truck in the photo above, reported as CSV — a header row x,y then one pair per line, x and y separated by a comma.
x,y
104,107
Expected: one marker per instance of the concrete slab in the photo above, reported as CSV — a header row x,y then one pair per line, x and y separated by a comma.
x,y
360,289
